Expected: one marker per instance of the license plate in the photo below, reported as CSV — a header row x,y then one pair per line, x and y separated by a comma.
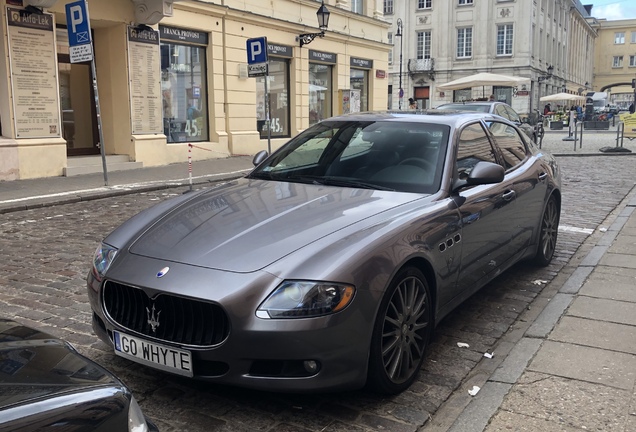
x,y
159,356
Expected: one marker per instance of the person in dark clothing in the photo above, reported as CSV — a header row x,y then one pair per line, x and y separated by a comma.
x,y
547,109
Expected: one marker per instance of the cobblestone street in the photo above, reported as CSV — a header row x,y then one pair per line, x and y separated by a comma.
x,y
46,254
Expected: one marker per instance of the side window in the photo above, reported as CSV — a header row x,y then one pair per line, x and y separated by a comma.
x,y
509,142
500,110
473,146
512,115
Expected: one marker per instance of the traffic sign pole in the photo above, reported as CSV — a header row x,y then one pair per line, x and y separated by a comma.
x,y
81,50
257,65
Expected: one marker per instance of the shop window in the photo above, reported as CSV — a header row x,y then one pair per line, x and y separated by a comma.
x,y
184,90
359,80
320,88
279,100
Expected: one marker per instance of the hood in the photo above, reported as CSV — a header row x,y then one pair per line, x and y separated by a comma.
x,y
35,365
252,223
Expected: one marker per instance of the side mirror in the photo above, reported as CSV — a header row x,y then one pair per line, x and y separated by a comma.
x,y
482,173
259,157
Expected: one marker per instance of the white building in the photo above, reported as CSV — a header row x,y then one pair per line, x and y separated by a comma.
x,y
550,42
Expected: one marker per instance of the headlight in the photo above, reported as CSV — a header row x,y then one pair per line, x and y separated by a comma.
x,y
104,255
305,299
136,420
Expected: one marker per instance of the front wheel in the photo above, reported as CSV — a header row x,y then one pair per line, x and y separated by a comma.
x,y
548,233
401,333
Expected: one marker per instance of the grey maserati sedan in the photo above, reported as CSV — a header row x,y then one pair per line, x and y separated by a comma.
x,y
328,266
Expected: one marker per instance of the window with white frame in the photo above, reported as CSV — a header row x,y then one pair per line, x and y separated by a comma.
x,y
423,45
634,37
632,61
357,6
465,2
390,40
617,62
464,42
619,38
504,39
388,7
424,4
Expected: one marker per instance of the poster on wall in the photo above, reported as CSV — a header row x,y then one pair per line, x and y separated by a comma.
x,y
144,76
33,60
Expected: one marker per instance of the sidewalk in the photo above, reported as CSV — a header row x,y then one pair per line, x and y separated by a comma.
x,y
574,366
24,194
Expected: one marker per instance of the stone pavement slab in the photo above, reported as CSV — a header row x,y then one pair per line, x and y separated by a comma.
x,y
604,310
593,365
598,334
605,282
506,421
567,403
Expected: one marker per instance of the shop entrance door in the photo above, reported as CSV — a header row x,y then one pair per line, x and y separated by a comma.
x,y
77,100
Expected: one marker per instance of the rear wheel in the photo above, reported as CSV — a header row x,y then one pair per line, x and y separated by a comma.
x,y
401,333
548,233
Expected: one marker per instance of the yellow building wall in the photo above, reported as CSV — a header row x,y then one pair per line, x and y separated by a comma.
x,y
231,98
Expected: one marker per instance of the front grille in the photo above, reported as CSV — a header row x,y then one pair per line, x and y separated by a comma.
x,y
182,321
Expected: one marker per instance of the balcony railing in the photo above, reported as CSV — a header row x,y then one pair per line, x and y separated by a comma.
x,y
421,65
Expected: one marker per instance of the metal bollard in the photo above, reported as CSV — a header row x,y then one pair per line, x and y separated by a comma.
x,y
620,132
576,129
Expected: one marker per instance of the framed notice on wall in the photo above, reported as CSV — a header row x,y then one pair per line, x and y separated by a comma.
x,y
33,60
144,76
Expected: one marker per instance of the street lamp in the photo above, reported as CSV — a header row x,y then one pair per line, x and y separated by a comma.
x,y
548,76
399,34
323,22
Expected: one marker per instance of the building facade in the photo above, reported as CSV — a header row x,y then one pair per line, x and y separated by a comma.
x,y
547,41
615,60
172,73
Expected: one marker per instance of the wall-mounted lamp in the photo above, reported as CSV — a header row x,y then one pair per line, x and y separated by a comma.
x,y
548,76
323,22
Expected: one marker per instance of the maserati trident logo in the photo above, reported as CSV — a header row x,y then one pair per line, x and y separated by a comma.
x,y
152,319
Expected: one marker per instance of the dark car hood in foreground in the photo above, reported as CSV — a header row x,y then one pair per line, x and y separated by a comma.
x,y
252,223
36,365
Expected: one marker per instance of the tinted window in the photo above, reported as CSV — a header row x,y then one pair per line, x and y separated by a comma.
x,y
396,155
512,115
509,142
473,146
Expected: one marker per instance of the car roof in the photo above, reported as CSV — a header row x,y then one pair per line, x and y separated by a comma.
x,y
452,118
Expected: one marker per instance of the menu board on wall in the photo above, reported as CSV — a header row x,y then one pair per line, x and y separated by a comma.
x,y
144,66
33,60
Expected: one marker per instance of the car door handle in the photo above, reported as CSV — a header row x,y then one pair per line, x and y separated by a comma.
x,y
509,195
543,176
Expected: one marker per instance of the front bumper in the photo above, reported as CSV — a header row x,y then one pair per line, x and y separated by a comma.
x,y
265,354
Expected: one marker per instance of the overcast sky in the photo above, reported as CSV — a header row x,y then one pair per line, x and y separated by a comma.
x,y
613,9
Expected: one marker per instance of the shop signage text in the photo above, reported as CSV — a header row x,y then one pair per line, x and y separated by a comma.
x,y
321,56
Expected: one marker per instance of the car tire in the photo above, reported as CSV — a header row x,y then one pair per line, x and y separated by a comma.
x,y
401,333
548,233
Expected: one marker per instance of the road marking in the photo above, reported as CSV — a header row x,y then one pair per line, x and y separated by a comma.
x,y
130,186
575,229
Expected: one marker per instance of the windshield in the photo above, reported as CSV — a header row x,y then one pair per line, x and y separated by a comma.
x,y
384,155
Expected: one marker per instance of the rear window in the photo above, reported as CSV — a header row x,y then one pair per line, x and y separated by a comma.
x,y
464,107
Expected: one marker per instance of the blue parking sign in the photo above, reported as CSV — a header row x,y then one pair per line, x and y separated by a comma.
x,y
79,28
257,50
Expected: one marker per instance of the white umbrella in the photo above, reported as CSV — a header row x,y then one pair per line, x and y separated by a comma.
x,y
561,97
483,79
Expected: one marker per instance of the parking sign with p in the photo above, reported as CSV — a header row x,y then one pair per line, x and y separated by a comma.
x,y
257,57
79,32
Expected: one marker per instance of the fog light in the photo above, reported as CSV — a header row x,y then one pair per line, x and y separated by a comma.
x,y
311,366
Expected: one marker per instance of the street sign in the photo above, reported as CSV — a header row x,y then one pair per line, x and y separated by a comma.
x,y
258,69
257,50
257,57
79,32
